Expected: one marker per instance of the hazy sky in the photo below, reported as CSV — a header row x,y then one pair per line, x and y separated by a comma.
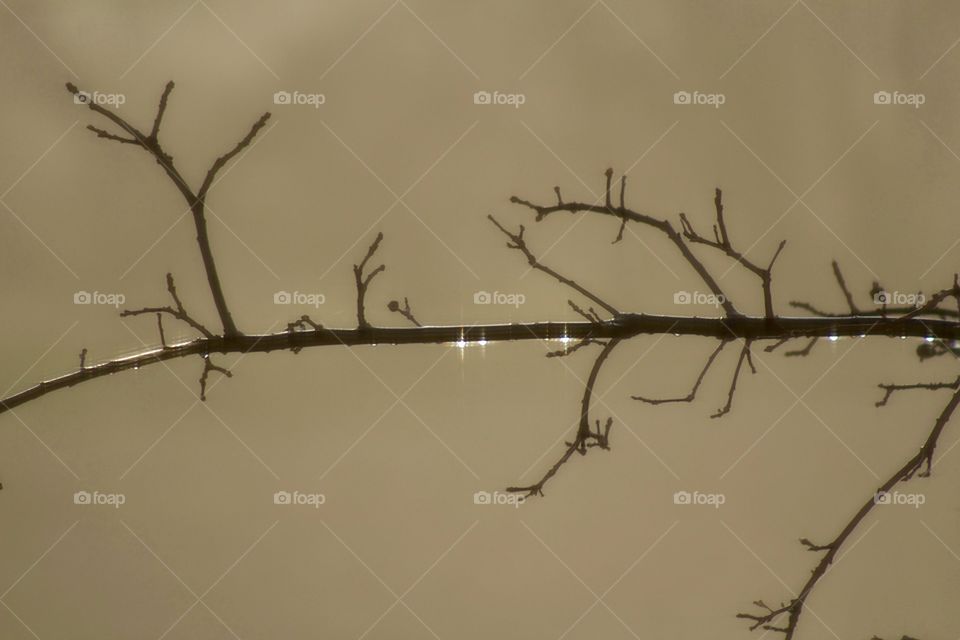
x,y
775,102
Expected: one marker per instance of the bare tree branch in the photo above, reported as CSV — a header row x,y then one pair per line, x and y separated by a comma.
x,y
518,243
804,351
364,281
208,366
890,389
179,312
696,385
625,214
405,311
585,437
744,355
196,201
722,243
843,287
767,618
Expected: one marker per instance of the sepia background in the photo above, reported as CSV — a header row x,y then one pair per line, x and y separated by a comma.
x,y
398,439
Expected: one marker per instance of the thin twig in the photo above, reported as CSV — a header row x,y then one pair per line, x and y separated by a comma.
x,y
585,437
696,385
744,355
405,311
179,312
518,243
364,282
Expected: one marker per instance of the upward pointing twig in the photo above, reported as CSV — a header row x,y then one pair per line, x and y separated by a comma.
x,y
195,200
364,281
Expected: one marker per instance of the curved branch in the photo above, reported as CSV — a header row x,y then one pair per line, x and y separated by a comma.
x,y
196,201
625,214
585,438
696,385
794,607
626,325
517,242
179,313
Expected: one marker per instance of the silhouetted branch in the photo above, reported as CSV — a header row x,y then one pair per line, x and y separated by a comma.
x,y
625,214
926,320
768,616
304,322
364,281
560,353
196,201
843,287
208,366
179,312
222,161
696,385
722,243
890,389
518,243
625,326
804,351
585,437
882,308
405,311
776,345
744,355
163,338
